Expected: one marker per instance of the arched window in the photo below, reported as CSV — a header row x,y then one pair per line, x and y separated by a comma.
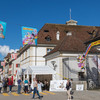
x,y
58,35
48,38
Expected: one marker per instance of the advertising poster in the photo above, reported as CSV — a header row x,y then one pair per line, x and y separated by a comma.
x,y
79,87
29,35
2,29
58,85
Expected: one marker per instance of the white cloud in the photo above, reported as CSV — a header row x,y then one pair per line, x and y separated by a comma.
x,y
4,50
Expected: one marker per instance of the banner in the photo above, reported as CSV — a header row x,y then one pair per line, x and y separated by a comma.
x,y
81,59
58,85
13,55
29,35
91,45
2,29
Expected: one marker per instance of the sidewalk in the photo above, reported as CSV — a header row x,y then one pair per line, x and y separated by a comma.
x,y
78,95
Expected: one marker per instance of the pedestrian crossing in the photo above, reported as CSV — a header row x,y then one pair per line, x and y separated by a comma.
x,y
5,94
25,94
15,94
49,92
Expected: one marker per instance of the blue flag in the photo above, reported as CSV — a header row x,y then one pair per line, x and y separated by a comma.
x,y
2,29
29,35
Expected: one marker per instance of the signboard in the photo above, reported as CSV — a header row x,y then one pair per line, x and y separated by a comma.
x,y
29,35
13,55
2,29
79,87
58,85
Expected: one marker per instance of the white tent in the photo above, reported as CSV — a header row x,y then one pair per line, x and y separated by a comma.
x,y
37,70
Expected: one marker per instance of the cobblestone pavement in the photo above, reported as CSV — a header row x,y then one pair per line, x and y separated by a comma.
x,y
78,95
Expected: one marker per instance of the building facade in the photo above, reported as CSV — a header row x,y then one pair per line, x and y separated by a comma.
x,y
58,47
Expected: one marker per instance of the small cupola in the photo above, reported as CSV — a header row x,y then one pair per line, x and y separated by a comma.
x,y
71,22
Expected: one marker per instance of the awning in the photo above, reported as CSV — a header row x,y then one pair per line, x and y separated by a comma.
x,y
39,70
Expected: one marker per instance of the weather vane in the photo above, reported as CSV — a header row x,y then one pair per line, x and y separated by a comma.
x,y
70,14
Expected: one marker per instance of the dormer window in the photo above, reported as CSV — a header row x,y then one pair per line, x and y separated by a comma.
x,y
58,35
68,33
46,30
48,38
49,49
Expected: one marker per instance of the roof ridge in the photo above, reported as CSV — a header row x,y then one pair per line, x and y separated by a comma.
x,y
72,25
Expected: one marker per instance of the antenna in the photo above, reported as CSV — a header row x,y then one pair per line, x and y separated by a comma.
x,y
70,14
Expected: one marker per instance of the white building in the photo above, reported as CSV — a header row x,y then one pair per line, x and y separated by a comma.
x,y
58,47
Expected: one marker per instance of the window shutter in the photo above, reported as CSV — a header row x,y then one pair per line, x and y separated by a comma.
x,y
16,65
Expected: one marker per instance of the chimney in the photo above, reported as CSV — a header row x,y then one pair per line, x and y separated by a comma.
x,y
71,22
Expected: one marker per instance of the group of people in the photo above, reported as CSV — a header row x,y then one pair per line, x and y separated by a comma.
x,y
26,84
27,87
36,87
5,83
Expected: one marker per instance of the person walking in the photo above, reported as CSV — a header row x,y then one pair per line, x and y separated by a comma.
x,y
5,84
40,85
46,87
68,87
1,86
71,90
19,86
26,85
35,88
10,84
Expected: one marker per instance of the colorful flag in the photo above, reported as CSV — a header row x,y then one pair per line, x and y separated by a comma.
x,y
2,29
81,61
13,55
29,35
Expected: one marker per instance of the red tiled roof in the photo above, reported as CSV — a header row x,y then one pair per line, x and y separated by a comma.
x,y
8,55
73,43
79,31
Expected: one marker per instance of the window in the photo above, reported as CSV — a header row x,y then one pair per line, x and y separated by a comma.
x,y
58,35
17,65
46,30
81,75
69,33
49,49
48,38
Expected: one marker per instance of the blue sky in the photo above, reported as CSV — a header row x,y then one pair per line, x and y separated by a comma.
x,y
35,13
